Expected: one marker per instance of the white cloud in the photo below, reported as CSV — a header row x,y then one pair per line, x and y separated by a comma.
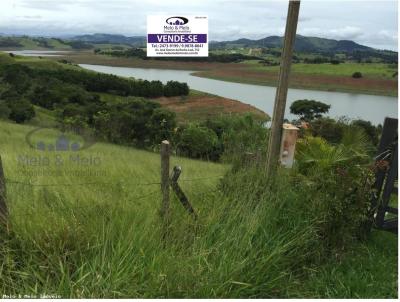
x,y
343,33
373,23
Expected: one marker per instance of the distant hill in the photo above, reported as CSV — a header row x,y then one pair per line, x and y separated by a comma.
x,y
302,44
89,41
40,43
111,39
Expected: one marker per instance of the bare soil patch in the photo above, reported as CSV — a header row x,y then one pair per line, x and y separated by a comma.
x,y
197,108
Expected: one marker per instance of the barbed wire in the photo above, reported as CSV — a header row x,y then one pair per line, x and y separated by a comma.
x,y
72,207
11,181
97,206
201,178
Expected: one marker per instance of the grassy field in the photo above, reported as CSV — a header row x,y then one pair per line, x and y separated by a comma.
x,y
81,229
31,44
377,77
368,70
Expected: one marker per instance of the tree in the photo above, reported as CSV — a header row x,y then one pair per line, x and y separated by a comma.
x,y
21,111
161,125
4,110
357,75
197,141
329,129
369,129
309,109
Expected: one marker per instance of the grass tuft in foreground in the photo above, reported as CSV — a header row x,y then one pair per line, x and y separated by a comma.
x,y
104,239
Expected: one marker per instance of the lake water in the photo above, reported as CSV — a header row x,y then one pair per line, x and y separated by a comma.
x,y
368,107
37,53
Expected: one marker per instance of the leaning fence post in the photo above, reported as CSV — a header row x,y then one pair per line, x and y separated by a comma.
x,y
165,152
3,201
176,172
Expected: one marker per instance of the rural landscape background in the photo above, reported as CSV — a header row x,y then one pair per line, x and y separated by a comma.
x,y
83,112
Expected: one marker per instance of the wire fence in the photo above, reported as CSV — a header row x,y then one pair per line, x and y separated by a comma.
x,y
11,181
98,207
71,208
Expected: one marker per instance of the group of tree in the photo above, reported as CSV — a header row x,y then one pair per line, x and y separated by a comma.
x,y
72,92
332,130
73,97
9,42
47,79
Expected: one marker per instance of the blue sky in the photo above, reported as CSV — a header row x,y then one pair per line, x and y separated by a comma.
x,y
372,23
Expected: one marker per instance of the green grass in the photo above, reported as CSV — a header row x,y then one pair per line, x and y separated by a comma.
x,y
29,43
367,270
43,118
94,230
111,229
370,70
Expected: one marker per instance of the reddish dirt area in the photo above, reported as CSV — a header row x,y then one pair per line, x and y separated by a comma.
x,y
197,108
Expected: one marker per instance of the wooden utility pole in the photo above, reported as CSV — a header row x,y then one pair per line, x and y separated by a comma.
x,y
282,89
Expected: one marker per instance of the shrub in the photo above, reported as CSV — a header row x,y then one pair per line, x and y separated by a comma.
x,y
197,141
21,111
357,75
336,182
237,135
324,199
327,128
245,135
334,130
174,88
370,130
77,124
161,125
4,110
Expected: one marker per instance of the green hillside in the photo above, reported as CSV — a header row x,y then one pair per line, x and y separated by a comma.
x,y
310,45
138,41
93,230
302,44
32,43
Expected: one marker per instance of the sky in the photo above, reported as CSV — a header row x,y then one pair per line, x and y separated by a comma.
x,y
371,23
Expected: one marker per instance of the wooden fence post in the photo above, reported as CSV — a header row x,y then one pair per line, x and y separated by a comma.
x,y
165,153
176,172
3,199
288,145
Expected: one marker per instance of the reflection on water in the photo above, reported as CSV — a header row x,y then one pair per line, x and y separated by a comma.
x,y
37,53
